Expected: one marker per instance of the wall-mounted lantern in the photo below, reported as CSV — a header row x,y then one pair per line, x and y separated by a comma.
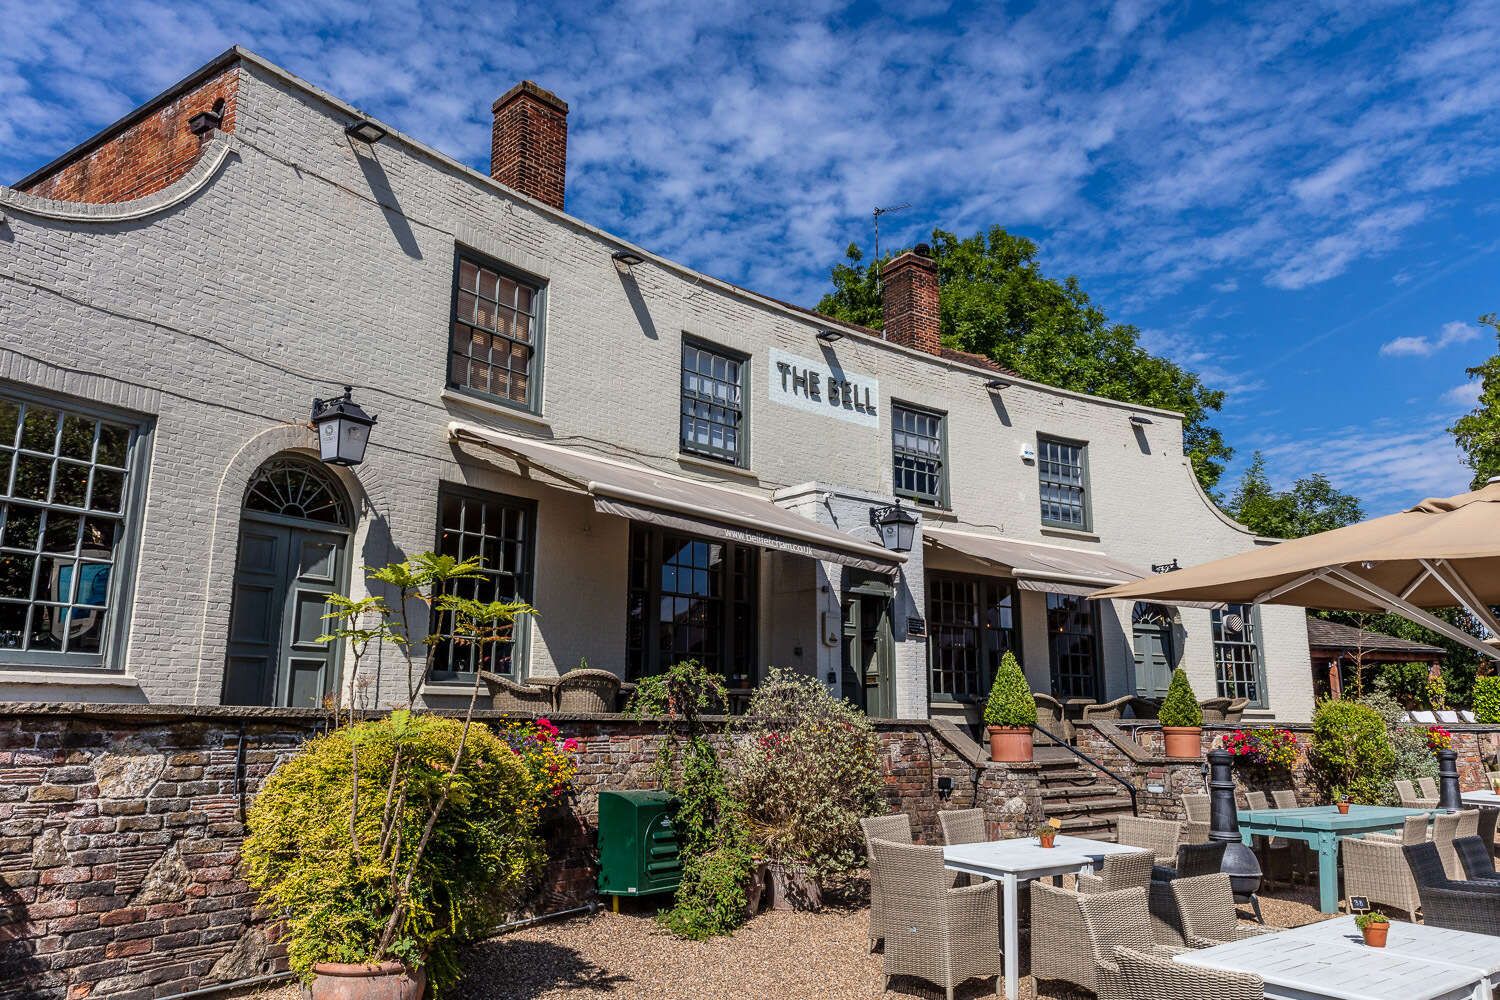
x,y
898,526
343,429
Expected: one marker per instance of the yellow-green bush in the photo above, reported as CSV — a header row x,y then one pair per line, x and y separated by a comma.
x,y
336,892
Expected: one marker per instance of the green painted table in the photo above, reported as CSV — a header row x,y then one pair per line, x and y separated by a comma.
x,y
1320,827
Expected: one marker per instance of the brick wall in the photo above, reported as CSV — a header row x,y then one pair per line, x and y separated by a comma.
x,y
909,300
120,829
529,143
147,155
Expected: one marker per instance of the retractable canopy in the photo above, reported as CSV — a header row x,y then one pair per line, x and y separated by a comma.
x,y
1049,568
682,504
1441,553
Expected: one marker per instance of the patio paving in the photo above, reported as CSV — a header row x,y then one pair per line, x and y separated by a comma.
x,y
777,955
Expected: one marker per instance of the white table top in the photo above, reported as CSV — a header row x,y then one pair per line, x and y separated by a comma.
x,y
1477,952
1481,798
1025,856
1307,966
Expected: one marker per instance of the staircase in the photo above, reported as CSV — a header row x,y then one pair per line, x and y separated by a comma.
x,y
1086,801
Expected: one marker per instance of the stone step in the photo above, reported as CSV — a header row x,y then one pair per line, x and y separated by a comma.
x,y
1093,798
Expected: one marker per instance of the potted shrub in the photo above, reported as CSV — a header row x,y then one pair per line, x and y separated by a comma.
x,y
1046,834
1341,800
1010,713
1375,927
1181,718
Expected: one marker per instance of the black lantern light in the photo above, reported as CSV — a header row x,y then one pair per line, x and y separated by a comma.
x,y
897,526
365,131
343,429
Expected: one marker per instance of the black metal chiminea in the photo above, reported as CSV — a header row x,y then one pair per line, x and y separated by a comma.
x,y
1449,795
1239,863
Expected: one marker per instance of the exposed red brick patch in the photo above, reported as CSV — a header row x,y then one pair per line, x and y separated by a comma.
x,y
529,144
909,299
147,155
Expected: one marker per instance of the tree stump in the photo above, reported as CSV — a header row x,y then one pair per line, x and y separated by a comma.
x,y
792,888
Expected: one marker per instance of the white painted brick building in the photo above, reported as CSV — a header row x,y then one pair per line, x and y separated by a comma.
x,y
286,259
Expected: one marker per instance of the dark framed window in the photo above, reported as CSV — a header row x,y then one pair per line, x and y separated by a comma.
x,y
918,451
495,345
971,624
501,531
713,403
1073,646
1237,661
691,598
70,488
1062,469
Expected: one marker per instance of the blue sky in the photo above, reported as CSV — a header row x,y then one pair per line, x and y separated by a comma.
x,y
1297,200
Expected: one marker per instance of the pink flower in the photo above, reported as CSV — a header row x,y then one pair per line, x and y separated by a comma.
x,y
570,744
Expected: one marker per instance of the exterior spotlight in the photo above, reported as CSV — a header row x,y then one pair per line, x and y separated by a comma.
x,y
897,526
830,336
343,429
1139,420
205,122
627,257
996,384
365,131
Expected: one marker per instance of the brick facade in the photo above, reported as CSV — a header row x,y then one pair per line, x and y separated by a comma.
x,y
145,155
909,300
529,144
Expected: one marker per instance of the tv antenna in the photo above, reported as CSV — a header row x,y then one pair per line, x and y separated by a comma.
x,y
878,213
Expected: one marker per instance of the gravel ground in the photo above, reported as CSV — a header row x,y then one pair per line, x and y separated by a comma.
x,y
776,956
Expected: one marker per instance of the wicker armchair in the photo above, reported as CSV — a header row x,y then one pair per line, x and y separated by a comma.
x,y
1429,788
1149,976
1113,921
963,826
1195,830
587,691
1489,817
1448,827
896,829
1409,797
1120,871
1235,710
1192,860
1051,717
937,933
1159,836
1215,708
1206,903
1274,853
1478,863
1460,906
1109,710
1376,868
508,696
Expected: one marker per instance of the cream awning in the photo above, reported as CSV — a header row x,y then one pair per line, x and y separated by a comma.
x,y
682,504
1050,568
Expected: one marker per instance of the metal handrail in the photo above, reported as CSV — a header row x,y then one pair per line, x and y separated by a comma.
x,y
1130,788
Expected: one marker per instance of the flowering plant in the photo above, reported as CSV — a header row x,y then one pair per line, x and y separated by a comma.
x,y
1439,738
1269,748
548,760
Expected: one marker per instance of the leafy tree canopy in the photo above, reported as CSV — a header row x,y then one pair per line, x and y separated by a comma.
x,y
1477,432
1313,504
997,302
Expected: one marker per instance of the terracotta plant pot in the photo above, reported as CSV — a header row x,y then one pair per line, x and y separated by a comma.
x,y
1183,741
380,981
1010,744
1049,841
1344,808
1375,935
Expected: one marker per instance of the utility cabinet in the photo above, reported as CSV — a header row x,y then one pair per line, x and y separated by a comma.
x,y
638,849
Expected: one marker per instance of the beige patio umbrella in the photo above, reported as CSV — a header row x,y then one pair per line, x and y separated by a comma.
x,y
1441,553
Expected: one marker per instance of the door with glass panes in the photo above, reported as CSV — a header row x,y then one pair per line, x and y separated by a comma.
x,y
869,645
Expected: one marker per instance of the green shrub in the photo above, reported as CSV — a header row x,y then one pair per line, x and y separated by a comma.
x,y
1487,700
806,768
1351,750
1408,683
1180,707
337,895
1412,758
1011,702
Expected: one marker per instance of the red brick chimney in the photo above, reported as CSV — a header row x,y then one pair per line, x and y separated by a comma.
x,y
529,146
909,300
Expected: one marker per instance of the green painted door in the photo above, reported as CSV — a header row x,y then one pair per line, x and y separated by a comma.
x,y
1153,659
869,646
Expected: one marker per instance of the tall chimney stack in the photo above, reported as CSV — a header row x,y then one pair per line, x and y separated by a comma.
x,y
529,146
909,300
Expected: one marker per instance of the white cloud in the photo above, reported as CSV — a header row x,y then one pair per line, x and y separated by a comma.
x,y
1465,396
1422,347
1227,285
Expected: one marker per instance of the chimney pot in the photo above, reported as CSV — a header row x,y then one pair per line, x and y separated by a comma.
x,y
529,144
909,300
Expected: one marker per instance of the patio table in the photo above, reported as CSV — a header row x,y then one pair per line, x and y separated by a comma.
x,y
1477,953
1321,827
1481,799
1020,860
1298,966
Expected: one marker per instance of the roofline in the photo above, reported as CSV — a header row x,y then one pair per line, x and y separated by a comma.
x,y
211,68
875,337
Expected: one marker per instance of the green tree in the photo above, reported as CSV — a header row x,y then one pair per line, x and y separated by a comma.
x,y
1477,432
996,301
1313,504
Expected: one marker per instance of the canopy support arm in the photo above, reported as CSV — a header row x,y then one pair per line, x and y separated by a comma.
x,y
1358,586
1442,571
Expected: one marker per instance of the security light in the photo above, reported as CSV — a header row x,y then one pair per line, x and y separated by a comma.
x,y
830,336
627,257
996,384
365,131
1139,420
204,122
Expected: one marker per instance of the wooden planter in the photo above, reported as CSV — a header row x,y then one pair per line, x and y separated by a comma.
x,y
1010,744
378,981
1183,741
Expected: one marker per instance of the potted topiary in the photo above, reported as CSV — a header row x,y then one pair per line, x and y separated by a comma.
x,y
1181,718
1010,713
1375,927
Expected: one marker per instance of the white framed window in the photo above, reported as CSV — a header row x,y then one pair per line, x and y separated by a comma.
x,y
918,454
713,403
495,340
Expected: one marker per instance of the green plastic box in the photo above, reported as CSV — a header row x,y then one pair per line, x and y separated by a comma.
x,y
638,853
